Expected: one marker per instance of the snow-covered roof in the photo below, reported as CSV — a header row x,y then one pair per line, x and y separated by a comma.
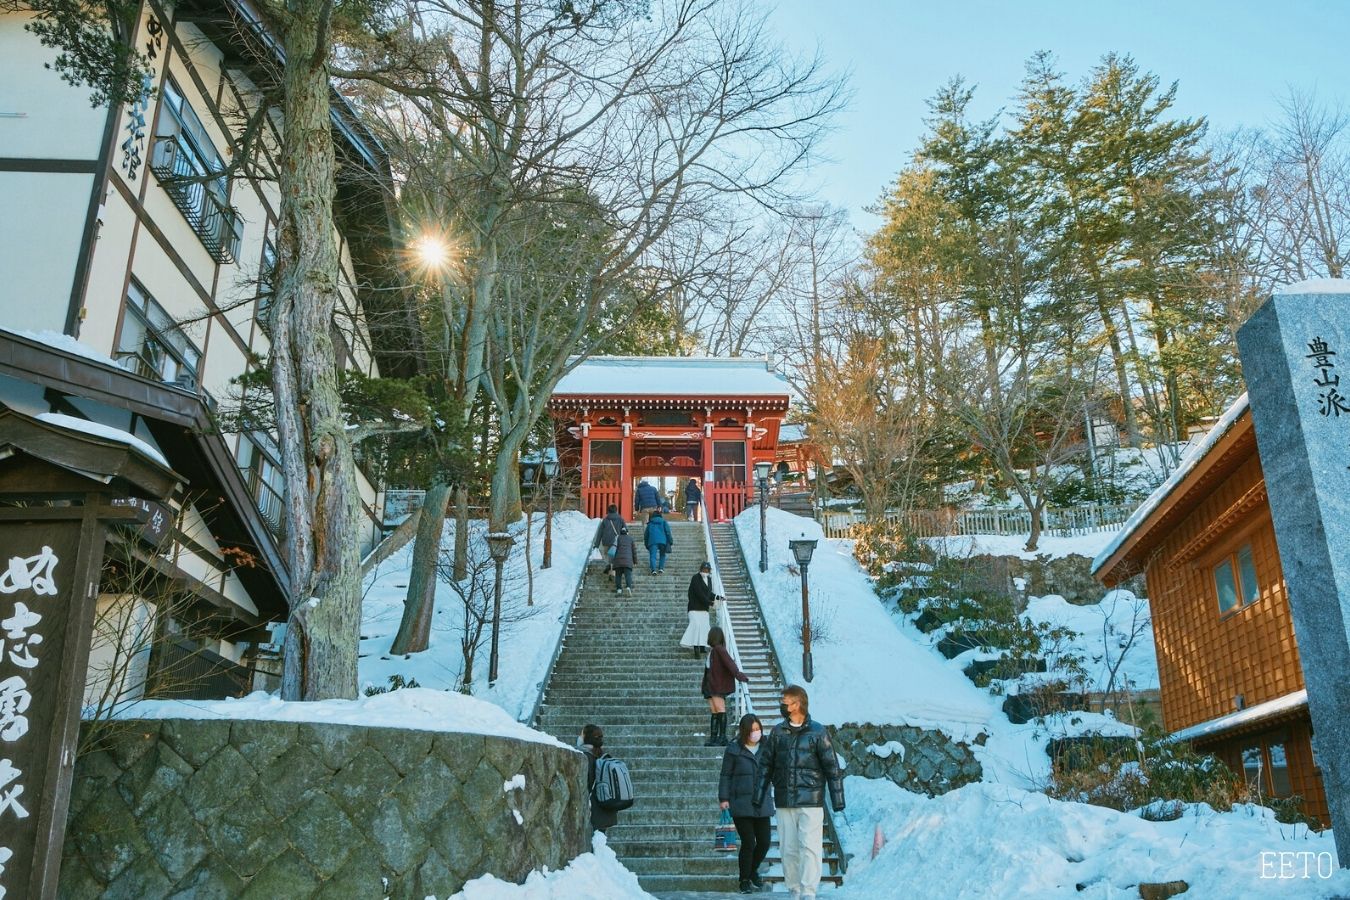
x,y
1188,463
792,432
698,376
1316,286
94,429
1248,716
62,342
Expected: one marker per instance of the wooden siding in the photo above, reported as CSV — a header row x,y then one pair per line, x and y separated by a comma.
x,y
1206,659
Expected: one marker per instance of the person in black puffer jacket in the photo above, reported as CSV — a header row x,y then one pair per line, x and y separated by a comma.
x,y
798,760
735,790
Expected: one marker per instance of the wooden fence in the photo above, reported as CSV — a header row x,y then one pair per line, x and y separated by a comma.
x,y
1060,522
724,499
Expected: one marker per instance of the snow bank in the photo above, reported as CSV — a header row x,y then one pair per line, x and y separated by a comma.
x,y
1105,628
597,874
987,840
419,709
866,669
525,646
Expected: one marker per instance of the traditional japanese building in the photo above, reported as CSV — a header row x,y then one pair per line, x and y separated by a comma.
x,y
1228,661
622,419
137,261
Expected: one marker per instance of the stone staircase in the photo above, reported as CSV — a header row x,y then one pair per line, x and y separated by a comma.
x,y
621,667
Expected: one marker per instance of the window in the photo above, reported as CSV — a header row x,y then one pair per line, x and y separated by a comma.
x,y
606,462
729,462
1265,764
1235,580
666,417
191,171
264,481
152,345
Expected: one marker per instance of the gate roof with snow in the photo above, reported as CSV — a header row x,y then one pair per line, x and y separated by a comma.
x,y
623,418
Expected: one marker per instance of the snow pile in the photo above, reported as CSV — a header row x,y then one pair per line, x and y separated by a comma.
x,y
419,709
1048,546
598,875
866,669
1116,631
525,646
1032,846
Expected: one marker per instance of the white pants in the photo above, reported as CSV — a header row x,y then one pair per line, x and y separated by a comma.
x,y
799,839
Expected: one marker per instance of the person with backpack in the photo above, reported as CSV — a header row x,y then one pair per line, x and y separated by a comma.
x,y
798,761
609,535
607,780
736,790
693,496
623,561
701,599
658,540
719,682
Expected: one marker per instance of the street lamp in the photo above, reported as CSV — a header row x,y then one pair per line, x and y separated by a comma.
x,y
762,473
802,550
550,467
499,546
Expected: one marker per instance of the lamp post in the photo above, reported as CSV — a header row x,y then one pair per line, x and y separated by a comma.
x,y
802,550
762,474
550,467
499,546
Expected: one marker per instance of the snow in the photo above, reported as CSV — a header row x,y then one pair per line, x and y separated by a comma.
x,y
1188,463
1049,546
1032,846
862,646
63,342
1244,716
1104,628
517,783
597,874
419,709
84,426
526,647
887,750
1316,286
684,375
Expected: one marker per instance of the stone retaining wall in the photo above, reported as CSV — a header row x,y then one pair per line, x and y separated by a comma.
x,y
238,809
929,761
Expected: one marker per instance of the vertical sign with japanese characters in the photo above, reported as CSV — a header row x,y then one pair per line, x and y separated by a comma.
x,y
39,591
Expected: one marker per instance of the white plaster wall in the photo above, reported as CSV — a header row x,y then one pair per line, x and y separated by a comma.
x,y
57,121
39,246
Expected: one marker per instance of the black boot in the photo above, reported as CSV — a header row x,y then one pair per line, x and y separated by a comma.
x,y
721,728
712,732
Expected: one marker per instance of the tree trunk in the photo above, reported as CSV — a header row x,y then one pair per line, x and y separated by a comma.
x,y
505,506
323,553
461,570
414,631
529,569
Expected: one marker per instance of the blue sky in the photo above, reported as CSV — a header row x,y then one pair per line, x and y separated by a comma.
x,y
1233,61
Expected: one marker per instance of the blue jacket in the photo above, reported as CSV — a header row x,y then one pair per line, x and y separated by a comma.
x,y
657,534
647,497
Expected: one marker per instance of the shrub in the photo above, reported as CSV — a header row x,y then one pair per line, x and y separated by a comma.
x,y
396,682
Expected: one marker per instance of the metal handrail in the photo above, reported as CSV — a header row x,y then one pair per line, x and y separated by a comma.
x,y
562,635
742,700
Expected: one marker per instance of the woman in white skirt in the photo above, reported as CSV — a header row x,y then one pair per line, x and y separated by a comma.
x,y
701,599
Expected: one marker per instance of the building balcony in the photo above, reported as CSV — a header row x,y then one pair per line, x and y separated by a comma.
x,y
215,223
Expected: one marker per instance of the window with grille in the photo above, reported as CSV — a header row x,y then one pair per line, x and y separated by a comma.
x,y
152,345
729,462
606,462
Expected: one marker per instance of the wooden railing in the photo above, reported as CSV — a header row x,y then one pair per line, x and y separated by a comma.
x,y
1056,521
724,500
597,497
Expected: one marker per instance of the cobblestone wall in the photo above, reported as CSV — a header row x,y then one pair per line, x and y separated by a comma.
x,y
925,761
241,809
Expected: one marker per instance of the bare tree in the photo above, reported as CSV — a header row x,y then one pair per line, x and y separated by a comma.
x,y
475,593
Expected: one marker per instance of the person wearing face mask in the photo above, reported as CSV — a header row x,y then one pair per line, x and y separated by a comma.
x,y
592,743
735,790
798,760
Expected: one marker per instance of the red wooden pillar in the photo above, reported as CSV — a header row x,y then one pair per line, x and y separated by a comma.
x,y
706,462
586,471
626,472
751,487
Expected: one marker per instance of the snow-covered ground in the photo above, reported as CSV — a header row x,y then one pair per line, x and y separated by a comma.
x,y
991,840
1050,546
526,645
1114,632
420,709
866,670
597,875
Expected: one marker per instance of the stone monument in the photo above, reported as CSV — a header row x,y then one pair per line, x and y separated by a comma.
x,y
1294,350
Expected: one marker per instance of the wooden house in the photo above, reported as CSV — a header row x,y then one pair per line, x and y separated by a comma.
x,y
1231,682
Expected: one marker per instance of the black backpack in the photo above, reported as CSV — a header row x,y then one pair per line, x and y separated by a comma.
x,y
613,787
